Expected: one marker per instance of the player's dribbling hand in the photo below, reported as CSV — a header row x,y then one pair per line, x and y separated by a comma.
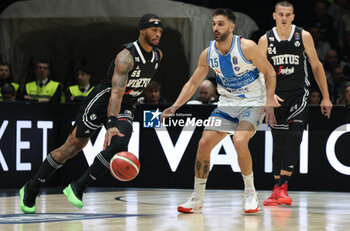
x,y
167,112
326,107
109,134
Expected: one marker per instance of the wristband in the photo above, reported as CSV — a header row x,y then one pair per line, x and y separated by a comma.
x,y
111,122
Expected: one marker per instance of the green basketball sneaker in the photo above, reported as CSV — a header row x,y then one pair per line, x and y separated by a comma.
x,y
73,195
28,195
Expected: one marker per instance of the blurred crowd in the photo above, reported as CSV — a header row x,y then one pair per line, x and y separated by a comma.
x,y
328,23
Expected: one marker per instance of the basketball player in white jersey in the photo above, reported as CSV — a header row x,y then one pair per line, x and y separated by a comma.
x,y
243,94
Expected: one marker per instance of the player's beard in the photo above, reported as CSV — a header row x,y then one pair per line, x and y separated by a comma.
x,y
149,41
223,36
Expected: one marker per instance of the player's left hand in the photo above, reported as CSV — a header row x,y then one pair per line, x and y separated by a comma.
x,y
109,134
326,107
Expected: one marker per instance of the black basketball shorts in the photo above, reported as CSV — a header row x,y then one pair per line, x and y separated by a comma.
x,y
293,110
92,114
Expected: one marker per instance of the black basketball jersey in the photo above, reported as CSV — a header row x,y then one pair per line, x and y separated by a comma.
x,y
145,66
289,59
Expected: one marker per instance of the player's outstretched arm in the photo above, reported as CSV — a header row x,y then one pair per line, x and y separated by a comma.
x,y
123,64
191,86
318,71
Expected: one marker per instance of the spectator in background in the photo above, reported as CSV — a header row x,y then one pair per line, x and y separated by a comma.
x,y
339,82
337,10
207,94
213,81
5,77
8,92
321,19
331,61
346,18
152,94
315,96
344,98
321,46
77,93
346,50
43,89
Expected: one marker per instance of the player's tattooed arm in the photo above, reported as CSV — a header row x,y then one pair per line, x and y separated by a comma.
x,y
123,64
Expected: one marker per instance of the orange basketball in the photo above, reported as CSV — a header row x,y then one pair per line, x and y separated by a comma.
x,y
124,166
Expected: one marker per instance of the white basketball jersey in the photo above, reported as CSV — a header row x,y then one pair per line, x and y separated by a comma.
x,y
236,76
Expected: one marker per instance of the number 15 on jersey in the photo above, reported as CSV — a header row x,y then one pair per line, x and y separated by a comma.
x,y
214,62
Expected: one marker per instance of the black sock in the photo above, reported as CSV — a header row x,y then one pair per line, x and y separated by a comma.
x,y
283,179
98,168
47,168
276,181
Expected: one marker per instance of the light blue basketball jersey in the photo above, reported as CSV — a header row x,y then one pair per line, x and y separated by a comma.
x,y
236,76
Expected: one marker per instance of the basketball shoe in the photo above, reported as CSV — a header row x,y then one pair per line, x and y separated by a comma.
x,y
74,195
193,205
251,202
273,199
282,194
28,195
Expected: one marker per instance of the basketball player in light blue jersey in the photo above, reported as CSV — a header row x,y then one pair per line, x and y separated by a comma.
x,y
244,92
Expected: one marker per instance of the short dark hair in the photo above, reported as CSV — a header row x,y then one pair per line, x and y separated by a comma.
x,y
226,12
314,89
153,85
4,64
84,69
145,18
42,61
284,4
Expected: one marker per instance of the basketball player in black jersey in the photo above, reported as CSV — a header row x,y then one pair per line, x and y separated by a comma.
x,y
111,104
288,48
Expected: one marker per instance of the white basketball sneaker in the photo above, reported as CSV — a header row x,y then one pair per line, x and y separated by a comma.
x,y
193,205
251,202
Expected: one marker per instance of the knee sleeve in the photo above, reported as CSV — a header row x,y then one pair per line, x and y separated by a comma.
x,y
279,142
292,146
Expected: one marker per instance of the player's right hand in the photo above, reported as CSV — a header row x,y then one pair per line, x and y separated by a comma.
x,y
109,134
277,100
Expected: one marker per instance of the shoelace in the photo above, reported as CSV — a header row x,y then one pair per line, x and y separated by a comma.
x,y
250,194
193,197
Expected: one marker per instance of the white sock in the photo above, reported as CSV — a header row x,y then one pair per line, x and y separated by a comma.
x,y
199,187
248,182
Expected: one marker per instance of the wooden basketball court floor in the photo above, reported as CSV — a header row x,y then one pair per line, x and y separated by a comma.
x,y
155,209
